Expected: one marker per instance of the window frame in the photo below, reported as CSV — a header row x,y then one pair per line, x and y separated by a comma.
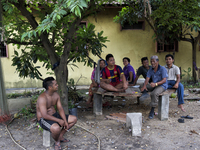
x,y
176,47
143,26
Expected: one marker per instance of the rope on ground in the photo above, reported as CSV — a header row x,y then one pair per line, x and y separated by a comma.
x,y
12,136
91,133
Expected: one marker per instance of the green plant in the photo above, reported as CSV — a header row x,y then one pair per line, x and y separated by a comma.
x,y
188,73
39,127
26,112
73,94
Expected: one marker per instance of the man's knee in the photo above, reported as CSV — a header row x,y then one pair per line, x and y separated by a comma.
x,y
72,119
180,85
55,128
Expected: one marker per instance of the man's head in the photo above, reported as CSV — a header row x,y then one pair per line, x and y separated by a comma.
x,y
126,61
110,60
145,62
102,64
169,59
50,83
154,61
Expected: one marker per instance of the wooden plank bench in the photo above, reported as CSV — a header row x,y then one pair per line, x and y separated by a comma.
x,y
163,103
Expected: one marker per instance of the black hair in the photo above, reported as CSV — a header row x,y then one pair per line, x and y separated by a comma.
x,y
47,82
108,56
127,59
102,60
143,59
169,55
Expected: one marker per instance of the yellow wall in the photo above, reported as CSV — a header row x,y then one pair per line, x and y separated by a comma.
x,y
134,44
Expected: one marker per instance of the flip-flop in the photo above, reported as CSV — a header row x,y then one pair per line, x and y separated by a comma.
x,y
65,140
187,117
181,120
59,147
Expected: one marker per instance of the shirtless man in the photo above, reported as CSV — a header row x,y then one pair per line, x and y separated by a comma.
x,y
48,118
112,77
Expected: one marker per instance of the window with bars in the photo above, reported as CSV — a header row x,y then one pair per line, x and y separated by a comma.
x,y
3,50
171,47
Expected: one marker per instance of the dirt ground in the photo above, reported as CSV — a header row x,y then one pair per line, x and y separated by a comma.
x,y
156,134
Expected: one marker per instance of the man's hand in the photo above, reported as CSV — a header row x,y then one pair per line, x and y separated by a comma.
x,y
95,84
66,126
175,86
108,81
152,84
143,88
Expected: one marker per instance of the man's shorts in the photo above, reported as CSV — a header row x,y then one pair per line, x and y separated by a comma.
x,y
114,83
46,124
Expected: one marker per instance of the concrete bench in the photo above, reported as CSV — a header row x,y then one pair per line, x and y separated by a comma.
x,y
47,138
163,104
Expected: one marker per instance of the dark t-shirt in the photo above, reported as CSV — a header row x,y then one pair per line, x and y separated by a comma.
x,y
143,71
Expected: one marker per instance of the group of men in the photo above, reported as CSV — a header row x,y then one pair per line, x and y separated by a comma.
x,y
157,79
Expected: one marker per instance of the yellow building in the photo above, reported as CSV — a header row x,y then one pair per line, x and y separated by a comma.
x,y
133,43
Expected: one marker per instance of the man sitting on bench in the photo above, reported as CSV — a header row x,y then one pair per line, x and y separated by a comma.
x,y
173,79
159,75
142,70
47,116
112,76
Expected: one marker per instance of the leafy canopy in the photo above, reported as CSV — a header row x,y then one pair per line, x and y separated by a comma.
x,y
27,23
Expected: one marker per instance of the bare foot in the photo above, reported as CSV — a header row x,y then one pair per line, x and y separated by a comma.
x,y
181,107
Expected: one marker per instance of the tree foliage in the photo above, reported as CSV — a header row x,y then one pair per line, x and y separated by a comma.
x,y
50,31
171,20
52,19
168,18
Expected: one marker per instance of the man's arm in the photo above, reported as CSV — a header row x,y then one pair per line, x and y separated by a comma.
x,y
158,83
62,113
177,81
43,111
130,76
94,83
145,84
135,81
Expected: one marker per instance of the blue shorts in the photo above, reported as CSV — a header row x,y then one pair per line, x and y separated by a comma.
x,y
46,124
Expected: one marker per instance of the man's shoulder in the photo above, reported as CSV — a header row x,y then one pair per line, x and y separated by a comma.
x,y
163,68
176,67
42,97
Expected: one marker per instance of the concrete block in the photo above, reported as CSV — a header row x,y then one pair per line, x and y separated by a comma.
x,y
47,139
163,107
134,120
97,104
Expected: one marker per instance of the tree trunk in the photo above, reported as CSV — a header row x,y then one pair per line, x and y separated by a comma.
x,y
61,77
194,44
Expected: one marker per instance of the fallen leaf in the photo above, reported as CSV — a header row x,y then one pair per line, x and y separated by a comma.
x,y
193,131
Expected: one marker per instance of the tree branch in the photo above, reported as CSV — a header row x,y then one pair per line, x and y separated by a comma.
x,y
9,40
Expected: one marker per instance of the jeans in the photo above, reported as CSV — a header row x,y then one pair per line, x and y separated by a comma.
x,y
180,90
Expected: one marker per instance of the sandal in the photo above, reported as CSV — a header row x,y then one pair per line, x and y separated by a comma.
x,y
64,140
57,147
187,117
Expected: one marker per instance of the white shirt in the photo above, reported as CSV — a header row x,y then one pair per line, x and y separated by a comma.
x,y
172,72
